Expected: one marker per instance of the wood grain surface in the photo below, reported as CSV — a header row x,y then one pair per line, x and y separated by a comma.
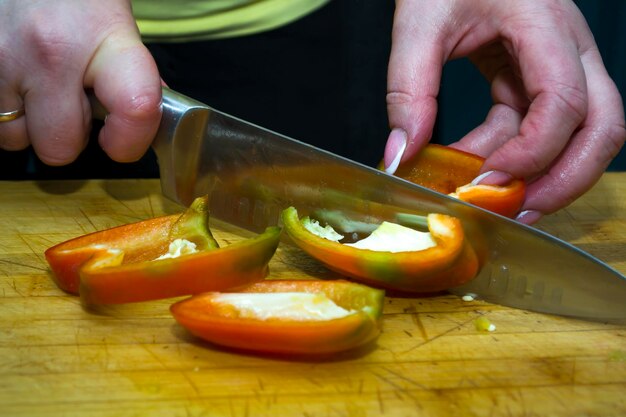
x,y
58,358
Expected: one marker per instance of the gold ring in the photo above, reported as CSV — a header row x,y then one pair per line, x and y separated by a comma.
x,y
11,115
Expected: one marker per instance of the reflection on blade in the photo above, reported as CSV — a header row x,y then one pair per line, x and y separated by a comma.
x,y
252,174
534,271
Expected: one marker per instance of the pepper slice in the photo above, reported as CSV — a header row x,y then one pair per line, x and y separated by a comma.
x,y
451,171
450,262
119,265
241,320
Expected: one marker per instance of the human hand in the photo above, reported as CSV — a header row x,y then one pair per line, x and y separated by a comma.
x,y
557,118
50,51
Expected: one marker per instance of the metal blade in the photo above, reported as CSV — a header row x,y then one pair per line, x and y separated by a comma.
x,y
252,174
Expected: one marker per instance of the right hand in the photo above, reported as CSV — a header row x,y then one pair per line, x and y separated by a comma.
x,y
50,51
557,119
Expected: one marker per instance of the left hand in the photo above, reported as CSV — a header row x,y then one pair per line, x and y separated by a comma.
x,y
557,118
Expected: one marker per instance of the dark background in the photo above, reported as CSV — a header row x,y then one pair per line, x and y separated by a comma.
x,y
321,80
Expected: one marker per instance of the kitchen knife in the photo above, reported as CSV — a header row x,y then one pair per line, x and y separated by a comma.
x,y
251,174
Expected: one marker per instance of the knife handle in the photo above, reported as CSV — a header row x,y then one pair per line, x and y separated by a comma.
x,y
182,126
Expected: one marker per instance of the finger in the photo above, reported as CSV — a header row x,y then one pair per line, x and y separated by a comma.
x,y
126,81
507,88
503,120
413,79
57,111
501,124
556,85
12,133
57,123
591,149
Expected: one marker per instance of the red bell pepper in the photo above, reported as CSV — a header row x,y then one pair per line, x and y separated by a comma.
x,y
451,262
451,171
119,265
228,321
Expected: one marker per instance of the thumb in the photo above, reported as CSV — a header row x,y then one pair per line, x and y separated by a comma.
x,y
126,80
414,75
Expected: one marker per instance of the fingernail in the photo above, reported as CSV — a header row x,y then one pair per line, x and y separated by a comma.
x,y
529,216
492,178
396,144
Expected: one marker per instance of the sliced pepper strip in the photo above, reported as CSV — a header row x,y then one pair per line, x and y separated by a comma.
x,y
506,201
450,263
118,265
206,317
451,171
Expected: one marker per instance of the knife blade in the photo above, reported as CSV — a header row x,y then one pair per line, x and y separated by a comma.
x,y
251,174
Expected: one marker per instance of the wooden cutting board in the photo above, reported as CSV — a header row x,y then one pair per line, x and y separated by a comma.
x,y
60,359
